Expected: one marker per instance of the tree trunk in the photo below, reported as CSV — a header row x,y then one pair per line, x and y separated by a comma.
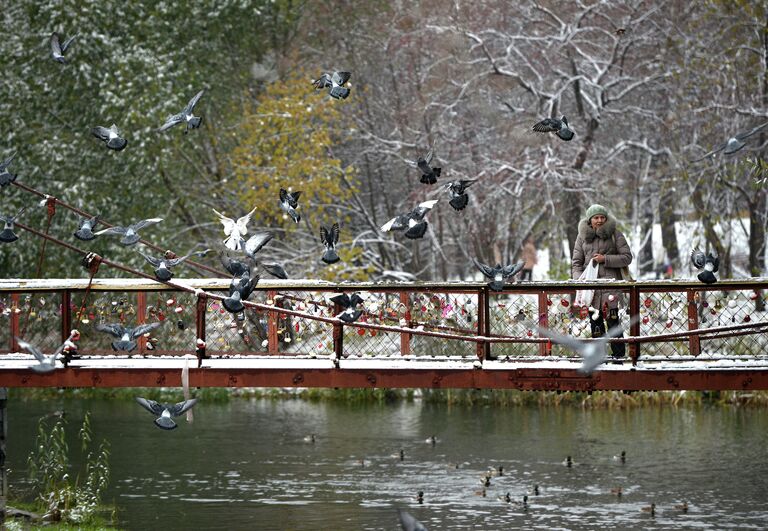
x,y
667,219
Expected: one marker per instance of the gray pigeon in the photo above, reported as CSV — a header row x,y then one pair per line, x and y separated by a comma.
x,y
239,290
111,137
165,412
457,189
499,274
329,239
84,230
553,125
334,82
131,232
710,264
6,177
289,201
46,363
164,265
126,337
350,313
254,244
429,174
413,223
408,522
57,49
7,235
733,144
185,116
275,269
234,267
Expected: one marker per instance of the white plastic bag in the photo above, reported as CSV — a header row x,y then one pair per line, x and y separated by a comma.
x,y
584,296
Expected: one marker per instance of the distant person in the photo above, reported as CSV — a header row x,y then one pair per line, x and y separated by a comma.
x,y
599,239
529,257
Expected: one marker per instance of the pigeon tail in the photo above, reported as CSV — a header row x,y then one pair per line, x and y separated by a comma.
x,y
42,369
340,93
130,240
124,345
7,179
496,285
330,257
165,423
163,274
428,178
8,236
417,231
348,317
233,303
707,277
459,202
117,144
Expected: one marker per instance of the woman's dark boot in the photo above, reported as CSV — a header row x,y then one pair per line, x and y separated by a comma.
x,y
597,325
618,350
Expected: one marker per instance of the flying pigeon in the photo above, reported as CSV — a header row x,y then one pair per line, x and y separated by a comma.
x,y
185,116
6,177
413,222
553,125
459,197
48,363
350,313
334,82
110,136
499,274
131,232
708,263
85,229
289,201
165,412
275,269
235,267
592,351
429,174
234,230
733,144
254,244
7,235
164,265
408,522
57,49
330,238
239,290
126,337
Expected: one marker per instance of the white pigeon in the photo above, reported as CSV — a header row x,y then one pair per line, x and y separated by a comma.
x,y
235,230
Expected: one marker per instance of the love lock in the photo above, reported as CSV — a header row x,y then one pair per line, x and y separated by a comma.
x,y
371,379
436,381
298,378
96,379
673,381
746,383
232,380
160,380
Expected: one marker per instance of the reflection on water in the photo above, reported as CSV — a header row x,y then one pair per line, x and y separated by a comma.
x,y
250,465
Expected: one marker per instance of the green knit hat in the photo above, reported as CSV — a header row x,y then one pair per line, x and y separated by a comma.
x,y
595,210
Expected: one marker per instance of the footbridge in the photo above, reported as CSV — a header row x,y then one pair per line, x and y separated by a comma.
x,y
687,335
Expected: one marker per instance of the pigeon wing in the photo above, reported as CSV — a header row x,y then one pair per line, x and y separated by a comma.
x,y
718,148
142,329
256,242
6,162
486,270
276,270
743,136
112,230
548,125
180,408
324,239
114,329
67,43
234,267
102,133
171,121
242,223
335,231
150,405
697,259
340,77
715,264
420,211
153,261
341,299
191,105
511,270
144,222
228,223
567,341
39,356
55,44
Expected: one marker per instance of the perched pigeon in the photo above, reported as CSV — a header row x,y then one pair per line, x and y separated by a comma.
x,y
429,174
413,222
334,82
553,125
48,363
408,522
185,116
275,269
459,197
254,244
708,263
234,267
126,337
110,136
131,232
164,265
350,313
57,49
289,201
7,235
239,290
6,177
85,228
166,411
733,144
329,239
499,274
592,351
234,230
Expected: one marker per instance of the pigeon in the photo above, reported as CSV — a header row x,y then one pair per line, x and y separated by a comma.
x,y
234,267
708,263
592,351
330,238
239,290
499,274
289,201
350,313
459,197
57,49
234,230
130,233
163,265
110,136
165,412
408,522
429,174
254,244
275,269
7,235
185,116
413,222
48,363
126,336
553,125
334,82
733,144
6,177
84,230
